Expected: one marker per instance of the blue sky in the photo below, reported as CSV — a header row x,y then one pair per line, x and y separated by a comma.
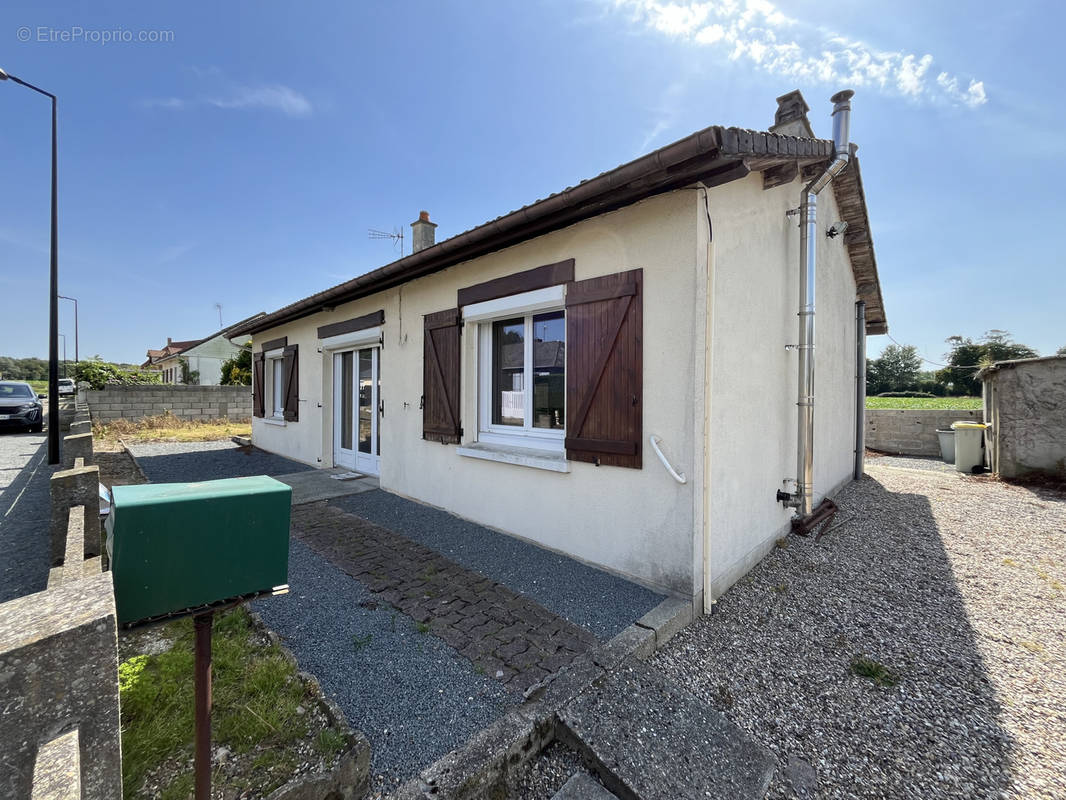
x,y
242,161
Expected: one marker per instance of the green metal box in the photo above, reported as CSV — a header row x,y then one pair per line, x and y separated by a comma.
x,y
176,547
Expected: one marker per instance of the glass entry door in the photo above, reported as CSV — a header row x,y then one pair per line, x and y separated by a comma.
x,y
357,410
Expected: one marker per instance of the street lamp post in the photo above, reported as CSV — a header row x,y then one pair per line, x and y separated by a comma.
x,y
53,295
74,300
64,338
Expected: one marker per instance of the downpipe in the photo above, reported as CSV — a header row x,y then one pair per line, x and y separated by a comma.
x,y
860,389
803,497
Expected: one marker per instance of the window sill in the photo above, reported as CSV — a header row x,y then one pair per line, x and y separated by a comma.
x,y
522,456
275,421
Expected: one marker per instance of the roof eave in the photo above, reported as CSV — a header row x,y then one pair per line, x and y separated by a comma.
x,y
713,156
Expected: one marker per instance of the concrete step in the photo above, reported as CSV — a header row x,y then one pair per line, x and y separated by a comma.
x,y
583,786
652,740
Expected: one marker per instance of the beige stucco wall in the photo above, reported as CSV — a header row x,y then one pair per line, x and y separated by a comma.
x,y
726,413
754,288
1025,402
639,523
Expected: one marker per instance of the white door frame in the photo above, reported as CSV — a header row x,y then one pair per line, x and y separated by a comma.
x,y
353,458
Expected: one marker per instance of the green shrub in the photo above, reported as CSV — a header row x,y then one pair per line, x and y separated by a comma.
x,y
237,371
100,373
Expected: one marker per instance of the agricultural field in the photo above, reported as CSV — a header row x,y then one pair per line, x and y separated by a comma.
x,y
962,403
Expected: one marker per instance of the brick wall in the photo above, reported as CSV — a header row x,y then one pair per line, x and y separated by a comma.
x,y
910,432
188,402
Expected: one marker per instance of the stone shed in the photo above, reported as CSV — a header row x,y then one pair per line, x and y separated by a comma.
x,y
1025,403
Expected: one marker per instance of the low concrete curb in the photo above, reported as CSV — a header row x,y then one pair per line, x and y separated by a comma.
x,y
481,766
133,458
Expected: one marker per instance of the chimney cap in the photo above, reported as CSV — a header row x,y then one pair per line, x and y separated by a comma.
x,y
423,218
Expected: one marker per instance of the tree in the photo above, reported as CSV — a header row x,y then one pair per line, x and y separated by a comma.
x,y
967,356
190,377
1061,351
896,370
237,371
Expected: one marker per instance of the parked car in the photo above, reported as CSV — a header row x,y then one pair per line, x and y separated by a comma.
x,y
20,407
67,386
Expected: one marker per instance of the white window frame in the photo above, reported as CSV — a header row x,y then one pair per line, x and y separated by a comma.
x,y
525,305
275,360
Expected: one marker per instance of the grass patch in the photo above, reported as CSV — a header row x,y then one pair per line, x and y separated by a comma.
x,y
255,697
961,403
41,387
874,670
168,428
330,742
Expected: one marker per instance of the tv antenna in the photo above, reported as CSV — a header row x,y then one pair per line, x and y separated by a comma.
x,y
219,307
396,236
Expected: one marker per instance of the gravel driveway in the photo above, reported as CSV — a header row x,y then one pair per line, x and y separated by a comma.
x,y
953,587
25,507
179,462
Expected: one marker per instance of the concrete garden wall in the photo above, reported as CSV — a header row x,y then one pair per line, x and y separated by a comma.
x,y
187,402
911,431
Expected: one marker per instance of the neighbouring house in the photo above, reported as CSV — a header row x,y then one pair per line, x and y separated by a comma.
x,y
201,359
1025,405
613,371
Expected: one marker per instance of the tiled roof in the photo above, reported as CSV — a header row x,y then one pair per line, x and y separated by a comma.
x,y
712,156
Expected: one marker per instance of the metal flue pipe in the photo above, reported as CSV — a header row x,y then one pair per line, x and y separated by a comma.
x,y
804,498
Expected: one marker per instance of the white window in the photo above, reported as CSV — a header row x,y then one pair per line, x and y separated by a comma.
x,y
522,369
277,387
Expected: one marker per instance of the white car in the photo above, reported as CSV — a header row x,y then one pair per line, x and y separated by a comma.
x,y
67,386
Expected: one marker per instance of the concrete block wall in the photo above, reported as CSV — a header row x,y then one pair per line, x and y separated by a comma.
x,y
188,402
911,431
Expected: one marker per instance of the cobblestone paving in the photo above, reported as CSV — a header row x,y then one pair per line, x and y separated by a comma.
x,y
508,636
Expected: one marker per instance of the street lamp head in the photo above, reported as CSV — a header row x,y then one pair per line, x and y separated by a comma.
x,y
3,75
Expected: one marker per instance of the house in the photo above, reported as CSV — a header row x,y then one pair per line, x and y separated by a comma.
x,y
613,371
200,359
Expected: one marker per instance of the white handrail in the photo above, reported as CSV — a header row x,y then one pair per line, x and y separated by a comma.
x,y
679,477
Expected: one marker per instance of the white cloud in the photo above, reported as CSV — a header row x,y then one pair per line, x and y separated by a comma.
x,y
666,113
164,102
274,98
270,97
756,31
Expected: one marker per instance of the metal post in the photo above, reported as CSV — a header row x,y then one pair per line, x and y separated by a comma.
x,y
53,301
53,310
202,624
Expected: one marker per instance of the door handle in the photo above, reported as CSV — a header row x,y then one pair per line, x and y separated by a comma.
x,y
381,408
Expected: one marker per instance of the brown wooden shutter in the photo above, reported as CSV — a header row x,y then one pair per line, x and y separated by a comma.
x,y
604,370
440,377
290,381
258,382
